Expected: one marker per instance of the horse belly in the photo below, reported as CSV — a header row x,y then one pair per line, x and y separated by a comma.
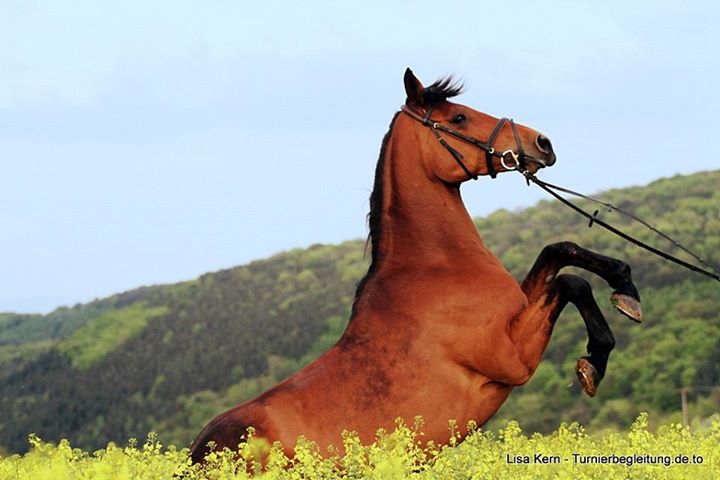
x,y
324,401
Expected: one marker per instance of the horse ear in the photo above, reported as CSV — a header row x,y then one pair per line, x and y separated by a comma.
x,y
413,89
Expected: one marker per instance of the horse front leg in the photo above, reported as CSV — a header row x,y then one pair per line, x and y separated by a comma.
x,y
616,273
548,293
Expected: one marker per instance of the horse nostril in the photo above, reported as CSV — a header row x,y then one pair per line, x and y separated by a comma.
x,y
543,143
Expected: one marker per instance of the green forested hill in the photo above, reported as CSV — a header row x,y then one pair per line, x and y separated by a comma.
x,y
167,358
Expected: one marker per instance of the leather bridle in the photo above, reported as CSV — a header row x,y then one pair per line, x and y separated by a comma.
x,y
520,158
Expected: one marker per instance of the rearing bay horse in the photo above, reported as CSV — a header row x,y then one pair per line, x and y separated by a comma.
x,y
438,328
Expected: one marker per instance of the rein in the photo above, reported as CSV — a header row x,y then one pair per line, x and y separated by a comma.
x,y
713,273
520,159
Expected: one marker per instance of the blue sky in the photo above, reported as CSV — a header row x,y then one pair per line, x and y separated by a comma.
x,y
150,142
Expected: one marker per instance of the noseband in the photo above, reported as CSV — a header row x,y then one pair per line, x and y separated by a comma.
x,y
520,157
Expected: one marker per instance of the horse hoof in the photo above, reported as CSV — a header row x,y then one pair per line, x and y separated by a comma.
x,y
588,376
628,306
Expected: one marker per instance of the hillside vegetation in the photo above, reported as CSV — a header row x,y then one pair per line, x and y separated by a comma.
x,y
168,358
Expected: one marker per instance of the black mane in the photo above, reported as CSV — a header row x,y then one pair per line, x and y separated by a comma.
x,y
441,90
375,214
438,92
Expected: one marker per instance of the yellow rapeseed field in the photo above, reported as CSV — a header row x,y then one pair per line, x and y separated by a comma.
x,y
674,452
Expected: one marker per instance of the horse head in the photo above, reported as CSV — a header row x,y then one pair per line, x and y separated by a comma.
x,y
469,143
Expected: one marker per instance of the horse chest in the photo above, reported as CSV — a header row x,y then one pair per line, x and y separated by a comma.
x,y
472,302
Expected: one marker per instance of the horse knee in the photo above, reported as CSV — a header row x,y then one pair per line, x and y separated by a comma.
x,y
560,248
577,286
569,287
579,291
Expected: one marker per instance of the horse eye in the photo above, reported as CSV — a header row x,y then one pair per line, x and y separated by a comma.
x,y
459,118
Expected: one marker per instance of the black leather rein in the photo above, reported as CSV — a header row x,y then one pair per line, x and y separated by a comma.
x,y
520,158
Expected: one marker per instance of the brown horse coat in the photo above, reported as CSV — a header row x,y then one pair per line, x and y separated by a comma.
x,y
439,328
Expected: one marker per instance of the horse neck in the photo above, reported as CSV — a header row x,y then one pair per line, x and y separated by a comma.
x,y
419,227
424,221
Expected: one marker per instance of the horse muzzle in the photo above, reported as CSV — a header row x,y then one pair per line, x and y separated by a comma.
x,y
545,146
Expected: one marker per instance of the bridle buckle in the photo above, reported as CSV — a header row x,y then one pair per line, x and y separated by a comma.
x,y
436,127
515,157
